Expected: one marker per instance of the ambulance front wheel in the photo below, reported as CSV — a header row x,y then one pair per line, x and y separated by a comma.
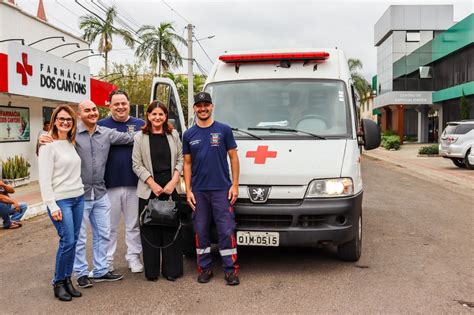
x,y
352,250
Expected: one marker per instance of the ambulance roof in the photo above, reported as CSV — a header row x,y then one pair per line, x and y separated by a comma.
x,y
334,67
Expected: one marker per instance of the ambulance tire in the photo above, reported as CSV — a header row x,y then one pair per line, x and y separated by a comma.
x,y
352,250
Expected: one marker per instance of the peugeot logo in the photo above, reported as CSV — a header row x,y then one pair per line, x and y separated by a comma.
x,y
259,194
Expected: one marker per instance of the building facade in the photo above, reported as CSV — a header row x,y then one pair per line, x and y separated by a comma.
x,y
41,66
420,53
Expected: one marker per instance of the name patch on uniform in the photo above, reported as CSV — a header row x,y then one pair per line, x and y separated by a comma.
x,y
215,139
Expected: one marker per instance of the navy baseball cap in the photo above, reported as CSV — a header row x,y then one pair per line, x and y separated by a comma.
x,y
202,97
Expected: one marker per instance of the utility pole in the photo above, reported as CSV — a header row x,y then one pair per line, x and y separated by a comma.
x,y
190,73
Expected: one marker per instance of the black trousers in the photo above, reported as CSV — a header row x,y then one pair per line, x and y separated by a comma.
x,y
170,259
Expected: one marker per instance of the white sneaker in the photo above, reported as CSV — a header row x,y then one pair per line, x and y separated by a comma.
x,y
136,266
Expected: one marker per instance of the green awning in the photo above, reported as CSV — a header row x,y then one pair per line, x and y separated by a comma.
x,y
376,111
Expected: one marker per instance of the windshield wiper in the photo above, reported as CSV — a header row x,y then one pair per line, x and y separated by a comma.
x,y
246,132
287,129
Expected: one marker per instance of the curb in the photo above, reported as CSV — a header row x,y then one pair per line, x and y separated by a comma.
x,y
428,155
34,211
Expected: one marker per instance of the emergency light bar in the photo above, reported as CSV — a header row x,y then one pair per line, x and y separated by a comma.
x,y
268,57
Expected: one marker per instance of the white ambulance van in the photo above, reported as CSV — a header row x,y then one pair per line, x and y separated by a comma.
x,y
294,118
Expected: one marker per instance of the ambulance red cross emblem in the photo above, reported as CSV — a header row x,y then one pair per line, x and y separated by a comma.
x,y
261,154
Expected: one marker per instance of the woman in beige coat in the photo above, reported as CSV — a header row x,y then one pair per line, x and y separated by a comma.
x,y
158,162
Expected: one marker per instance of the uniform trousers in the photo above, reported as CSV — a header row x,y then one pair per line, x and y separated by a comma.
x,y
214,206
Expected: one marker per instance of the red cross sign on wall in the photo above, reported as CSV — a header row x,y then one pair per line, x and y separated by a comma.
x,y
261,154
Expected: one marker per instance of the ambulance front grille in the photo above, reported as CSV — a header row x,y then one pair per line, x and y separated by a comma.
x,y
311,220
276,202
267,221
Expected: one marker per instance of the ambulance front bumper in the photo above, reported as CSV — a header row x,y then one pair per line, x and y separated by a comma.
x,y
302,222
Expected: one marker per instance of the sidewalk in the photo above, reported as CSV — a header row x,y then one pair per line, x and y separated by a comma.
x,y
435,169
32,196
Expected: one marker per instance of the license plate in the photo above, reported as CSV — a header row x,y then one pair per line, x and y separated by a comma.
x,y
258,238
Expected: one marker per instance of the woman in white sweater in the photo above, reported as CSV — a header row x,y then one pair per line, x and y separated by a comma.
x,y
63,193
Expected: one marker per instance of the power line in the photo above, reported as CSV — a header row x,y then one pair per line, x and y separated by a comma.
x,y
99,17
176,12
201,68
130,18
104,8
57,1
203,50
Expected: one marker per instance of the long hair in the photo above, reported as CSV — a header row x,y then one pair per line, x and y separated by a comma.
x,y
167,128
53,130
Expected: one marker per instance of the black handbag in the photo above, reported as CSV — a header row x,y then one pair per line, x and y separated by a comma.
x,y
160,212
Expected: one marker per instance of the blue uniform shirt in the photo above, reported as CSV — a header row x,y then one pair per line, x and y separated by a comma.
x,y
208,148
118,171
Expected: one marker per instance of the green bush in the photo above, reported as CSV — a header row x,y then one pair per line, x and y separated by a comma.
x,y
15,167
431,149
389,133
391,142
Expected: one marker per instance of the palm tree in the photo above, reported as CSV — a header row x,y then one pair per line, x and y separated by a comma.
x,y
94,26
158,46
361,85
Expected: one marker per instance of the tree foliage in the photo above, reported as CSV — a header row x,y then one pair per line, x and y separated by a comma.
x,y
361,86
136,79
158,46
181,82
104,29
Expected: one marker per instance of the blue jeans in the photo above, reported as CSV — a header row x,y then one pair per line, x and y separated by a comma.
x,y
8,213
97,214
68,230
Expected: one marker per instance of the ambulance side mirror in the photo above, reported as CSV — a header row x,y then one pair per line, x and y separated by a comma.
x,y
370,134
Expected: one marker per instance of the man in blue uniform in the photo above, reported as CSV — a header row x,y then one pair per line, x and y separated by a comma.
x,y
209,190
121,183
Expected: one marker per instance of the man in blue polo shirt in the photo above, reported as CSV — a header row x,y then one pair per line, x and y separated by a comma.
x,y
121,183
209,190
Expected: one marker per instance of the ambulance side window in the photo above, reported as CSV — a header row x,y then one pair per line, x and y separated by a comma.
x,y
164,94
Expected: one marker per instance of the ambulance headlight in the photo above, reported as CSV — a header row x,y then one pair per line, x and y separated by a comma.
x,y
332,187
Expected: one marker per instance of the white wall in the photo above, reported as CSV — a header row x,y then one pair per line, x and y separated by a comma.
x,y
15,23
385,66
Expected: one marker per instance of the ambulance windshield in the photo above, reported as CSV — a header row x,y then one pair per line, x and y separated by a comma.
x,y
314,106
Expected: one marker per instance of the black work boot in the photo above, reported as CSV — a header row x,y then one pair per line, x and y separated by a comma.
x,y
205,276
60,291
70,288
231,278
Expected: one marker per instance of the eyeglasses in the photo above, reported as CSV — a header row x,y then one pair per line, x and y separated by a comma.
x,y
62,120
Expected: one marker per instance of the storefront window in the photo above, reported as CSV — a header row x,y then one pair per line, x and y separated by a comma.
x,y
14,124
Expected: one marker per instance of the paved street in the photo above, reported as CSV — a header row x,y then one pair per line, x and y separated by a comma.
x,y
418,256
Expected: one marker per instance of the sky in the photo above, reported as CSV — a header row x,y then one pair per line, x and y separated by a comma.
x,y
245,25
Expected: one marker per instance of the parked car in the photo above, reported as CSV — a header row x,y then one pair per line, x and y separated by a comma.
x,y
456,143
